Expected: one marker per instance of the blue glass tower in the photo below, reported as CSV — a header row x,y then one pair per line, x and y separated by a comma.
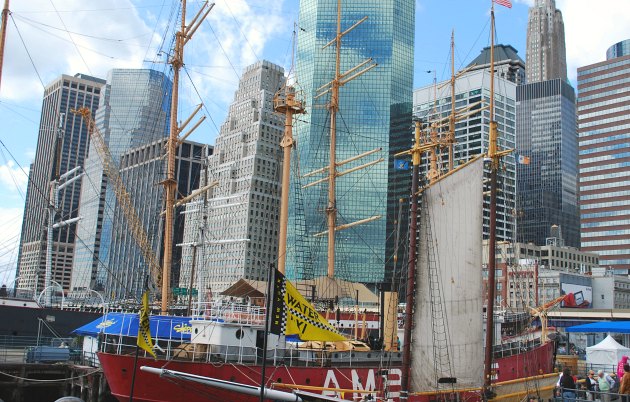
x,y
374,112
134,110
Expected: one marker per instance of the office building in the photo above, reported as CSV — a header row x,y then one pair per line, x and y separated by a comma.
x,y
471,135
134,110
507,63
60,97
141,169
604,149
546,52
374,112
546,143
239,222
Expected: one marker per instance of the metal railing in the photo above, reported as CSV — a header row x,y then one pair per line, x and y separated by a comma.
x,y
176,350
582,394
236,313
13,349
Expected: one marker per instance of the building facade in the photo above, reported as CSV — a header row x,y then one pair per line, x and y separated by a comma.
x,y
604,152
134,109
374,112
546,142
60,97
618,49
507,63
471,135
141,169
239,222
546,52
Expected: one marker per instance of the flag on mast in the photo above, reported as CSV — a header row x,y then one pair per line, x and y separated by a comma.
x,y
144,331
505,3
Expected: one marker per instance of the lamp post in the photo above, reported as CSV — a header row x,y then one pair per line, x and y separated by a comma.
x,y
54,283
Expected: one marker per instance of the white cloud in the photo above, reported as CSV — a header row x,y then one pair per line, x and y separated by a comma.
x,y
115,36
11,219
591,28
12,179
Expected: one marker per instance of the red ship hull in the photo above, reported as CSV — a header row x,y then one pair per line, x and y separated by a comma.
x,y
118,370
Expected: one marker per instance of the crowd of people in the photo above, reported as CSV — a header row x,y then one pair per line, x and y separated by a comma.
x,y
601,387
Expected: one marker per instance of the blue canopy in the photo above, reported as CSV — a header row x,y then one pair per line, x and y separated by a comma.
x,y
126,324
619,327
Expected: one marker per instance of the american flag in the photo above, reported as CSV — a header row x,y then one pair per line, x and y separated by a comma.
x,y
506,3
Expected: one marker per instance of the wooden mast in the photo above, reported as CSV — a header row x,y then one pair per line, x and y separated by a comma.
x,y
451,121
416,153
3,34
332,87
288,104
494,167
170,183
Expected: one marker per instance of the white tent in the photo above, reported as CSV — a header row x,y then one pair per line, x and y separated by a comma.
x,y
608,352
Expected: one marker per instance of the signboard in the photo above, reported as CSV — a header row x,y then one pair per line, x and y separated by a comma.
x,y
578,296
183,292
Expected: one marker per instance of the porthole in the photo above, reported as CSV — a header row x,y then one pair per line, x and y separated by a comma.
x,y
239,334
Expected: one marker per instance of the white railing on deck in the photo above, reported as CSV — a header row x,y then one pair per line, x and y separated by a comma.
x,y
230,312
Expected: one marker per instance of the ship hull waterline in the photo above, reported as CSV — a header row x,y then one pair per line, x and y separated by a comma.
x,y
118,370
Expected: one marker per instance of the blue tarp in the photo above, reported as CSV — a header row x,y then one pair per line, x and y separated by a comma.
x,y
619,327
126,324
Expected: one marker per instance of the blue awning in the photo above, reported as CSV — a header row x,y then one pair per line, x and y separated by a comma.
x,y
126,324
619,327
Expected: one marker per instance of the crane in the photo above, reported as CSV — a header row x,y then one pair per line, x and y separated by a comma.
x,y
110,169
541,312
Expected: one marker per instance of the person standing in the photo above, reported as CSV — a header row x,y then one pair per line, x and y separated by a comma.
x,y
604,383
591,386
567,385
624,388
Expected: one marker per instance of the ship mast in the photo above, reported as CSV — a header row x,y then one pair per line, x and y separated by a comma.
x,y
170,183
285,102
3,34
494,157
332,87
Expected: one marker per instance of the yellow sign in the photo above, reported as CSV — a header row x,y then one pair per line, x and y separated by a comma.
x,y
303,320
182,328
144,330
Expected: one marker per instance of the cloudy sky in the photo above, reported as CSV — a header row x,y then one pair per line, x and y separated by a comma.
x,y
46,38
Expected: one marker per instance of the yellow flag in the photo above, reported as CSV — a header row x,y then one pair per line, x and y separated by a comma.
x,y
144,331
304,321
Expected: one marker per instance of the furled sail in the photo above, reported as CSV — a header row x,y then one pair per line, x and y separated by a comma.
x,y
448,336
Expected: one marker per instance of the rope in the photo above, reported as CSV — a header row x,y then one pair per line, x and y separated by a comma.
x,y
48,381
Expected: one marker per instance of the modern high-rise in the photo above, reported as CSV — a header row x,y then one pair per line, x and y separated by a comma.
x,y
60,97
507,63
240,220
604,152
471,134
546,142
546,52
374,112
134,109
141,169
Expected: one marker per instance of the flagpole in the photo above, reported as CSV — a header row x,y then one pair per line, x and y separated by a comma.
x,y
270,284
133,376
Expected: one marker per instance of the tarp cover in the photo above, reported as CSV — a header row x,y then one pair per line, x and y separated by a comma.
x,y
617,327
608,352
126,324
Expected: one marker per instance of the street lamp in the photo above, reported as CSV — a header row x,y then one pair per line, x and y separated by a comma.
x,y
54,283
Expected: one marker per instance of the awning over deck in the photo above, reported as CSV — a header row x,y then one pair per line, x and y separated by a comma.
x,y
619,327
126,324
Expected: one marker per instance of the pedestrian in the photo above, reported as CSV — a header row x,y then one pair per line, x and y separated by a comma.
x,y
624,388
622,362
604,384
591,386
567,384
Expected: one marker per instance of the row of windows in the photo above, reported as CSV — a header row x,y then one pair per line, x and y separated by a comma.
x,y
623,136
604,112
599,122
602,103
605,224
604,195
606,166
606,66
607,243
605,204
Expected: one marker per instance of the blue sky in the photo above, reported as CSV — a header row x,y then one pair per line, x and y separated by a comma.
x,y
93,36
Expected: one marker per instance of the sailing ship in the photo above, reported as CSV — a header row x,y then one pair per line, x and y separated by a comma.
x,y
222,353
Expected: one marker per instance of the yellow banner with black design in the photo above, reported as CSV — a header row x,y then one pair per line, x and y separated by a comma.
x,y
304,321
144,330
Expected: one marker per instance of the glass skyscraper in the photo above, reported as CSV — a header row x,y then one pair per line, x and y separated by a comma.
x,y
60,97
604,152
134,110
546,138
374,112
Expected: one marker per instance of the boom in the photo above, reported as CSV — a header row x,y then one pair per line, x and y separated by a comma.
x,y
122,196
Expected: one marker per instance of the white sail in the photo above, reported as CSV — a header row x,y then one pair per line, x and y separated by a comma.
x,y
447,338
